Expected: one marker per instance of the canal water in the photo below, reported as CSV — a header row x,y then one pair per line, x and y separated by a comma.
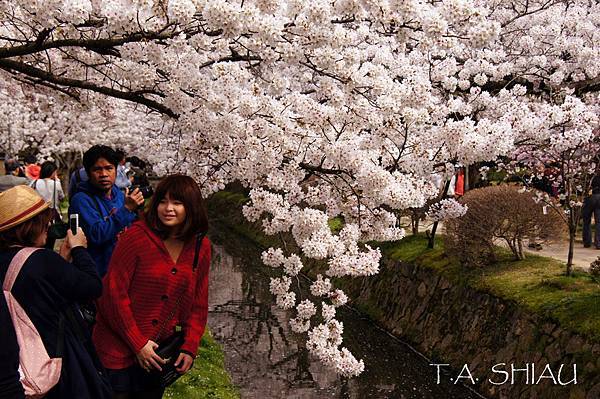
x,y
267,360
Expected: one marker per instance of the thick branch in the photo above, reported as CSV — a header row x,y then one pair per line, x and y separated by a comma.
x,y
580,87
586,86
103,46
33,82
18,67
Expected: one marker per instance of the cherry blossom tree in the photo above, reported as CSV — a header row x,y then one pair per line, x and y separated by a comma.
x,y
575,157
38,121
320,108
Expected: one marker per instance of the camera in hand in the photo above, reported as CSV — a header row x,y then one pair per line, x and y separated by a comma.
x,y
146,191
58,228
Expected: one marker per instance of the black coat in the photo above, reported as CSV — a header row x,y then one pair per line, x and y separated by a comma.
x,y
595,184
46,286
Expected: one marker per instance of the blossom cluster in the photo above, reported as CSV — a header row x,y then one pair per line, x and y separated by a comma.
x,y
35,119
324,341
448,208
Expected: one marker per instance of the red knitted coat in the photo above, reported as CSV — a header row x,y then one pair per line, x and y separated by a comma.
x,y
140,291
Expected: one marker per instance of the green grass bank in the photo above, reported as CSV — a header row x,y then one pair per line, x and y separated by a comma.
x,y
207,379
537,283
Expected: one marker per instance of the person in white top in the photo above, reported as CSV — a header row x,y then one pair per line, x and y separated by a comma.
x,y
48,185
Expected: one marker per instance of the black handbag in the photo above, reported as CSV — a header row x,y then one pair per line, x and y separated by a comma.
x,y
169,350
170,347
88,312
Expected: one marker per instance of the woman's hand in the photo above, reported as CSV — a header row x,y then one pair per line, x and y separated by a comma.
x,y
76,240
71,241
148,359
184,363
65,251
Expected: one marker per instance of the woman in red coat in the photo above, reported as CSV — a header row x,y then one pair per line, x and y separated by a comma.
x,y
151,289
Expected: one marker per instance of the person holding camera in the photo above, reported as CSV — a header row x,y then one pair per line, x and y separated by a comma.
x,y
13,175
104,210
153,311
49,187
46,286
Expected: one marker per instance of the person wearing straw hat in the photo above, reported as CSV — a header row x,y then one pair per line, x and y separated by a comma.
x,y
47,287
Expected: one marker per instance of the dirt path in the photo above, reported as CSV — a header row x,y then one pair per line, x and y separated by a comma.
x,y
582,257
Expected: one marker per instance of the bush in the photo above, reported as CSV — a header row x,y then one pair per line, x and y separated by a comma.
x,y
500,214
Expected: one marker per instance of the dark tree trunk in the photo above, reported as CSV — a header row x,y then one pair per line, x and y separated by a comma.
x,y
521,252
414,219
431,238
572,234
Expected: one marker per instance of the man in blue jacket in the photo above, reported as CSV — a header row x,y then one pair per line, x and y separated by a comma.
x,y
104,210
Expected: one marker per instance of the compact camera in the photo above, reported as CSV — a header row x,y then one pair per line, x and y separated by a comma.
x,y
146,191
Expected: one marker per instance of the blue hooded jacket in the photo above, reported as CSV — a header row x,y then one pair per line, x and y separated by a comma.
x,y
101,229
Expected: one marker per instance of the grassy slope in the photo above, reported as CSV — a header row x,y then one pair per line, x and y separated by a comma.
x,y
538,283
207,378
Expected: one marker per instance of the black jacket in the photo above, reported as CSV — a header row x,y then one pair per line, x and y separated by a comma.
x,y
45,287
596,185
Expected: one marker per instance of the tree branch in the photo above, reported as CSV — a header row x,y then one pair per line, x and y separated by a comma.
x,y
18,67
319,169
102,46
232,58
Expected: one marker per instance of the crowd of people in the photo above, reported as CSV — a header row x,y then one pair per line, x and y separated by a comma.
x,y
126,288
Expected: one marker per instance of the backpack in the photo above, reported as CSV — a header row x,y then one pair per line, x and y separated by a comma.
x,y
39,373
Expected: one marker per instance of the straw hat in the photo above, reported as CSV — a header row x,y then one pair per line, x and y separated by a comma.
x,y
19,204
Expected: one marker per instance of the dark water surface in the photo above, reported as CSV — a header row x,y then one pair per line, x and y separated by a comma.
x,y
267,360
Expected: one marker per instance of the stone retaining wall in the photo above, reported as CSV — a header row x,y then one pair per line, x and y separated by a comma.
x,y
459,325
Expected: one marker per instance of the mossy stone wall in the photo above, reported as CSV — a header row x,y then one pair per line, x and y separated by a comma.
x,y
456,324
